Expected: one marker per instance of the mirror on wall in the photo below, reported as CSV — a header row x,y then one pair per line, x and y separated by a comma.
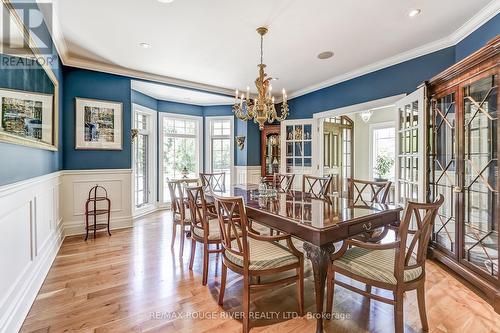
x,y
28,87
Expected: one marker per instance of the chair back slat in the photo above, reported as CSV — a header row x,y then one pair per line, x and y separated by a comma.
x,y
283,182
213,181
316,186
423,214
198,208
367,192
233,225
175,188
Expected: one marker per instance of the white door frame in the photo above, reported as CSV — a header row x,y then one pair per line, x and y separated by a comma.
x,y
370,105
208,144
152,153
419,96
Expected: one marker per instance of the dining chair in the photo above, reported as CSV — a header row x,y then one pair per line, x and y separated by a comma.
x,y
398,266
180,212
283,182
253,255
316,186
204,227
365,193
213,181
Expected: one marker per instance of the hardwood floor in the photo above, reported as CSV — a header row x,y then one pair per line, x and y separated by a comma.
x,y
133,282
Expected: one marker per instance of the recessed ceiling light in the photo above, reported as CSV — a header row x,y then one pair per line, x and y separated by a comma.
x,y
145,45
414,12
166,1
325,55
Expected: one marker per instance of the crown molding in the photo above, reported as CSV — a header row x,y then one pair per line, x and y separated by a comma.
x,y
485,14
136,74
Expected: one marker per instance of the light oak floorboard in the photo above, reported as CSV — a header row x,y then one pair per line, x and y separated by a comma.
x,y
134,282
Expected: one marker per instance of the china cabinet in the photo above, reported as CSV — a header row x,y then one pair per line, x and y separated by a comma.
x,y
270,151
297,148
463,166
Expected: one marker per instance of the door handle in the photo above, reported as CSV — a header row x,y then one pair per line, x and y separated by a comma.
x,y
457,189
368,226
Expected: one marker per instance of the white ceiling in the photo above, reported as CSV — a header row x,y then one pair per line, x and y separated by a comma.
x,y
214,42
182,95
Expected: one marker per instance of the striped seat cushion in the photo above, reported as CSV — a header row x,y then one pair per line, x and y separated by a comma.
x,y
375,265
213,230
263,255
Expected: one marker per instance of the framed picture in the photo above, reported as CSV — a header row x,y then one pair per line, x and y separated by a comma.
x,y
27,115
99,124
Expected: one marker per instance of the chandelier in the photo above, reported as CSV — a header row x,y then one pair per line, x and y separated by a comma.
x,y
261,108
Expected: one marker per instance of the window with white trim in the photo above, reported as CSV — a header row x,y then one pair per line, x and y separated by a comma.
x,y
180,150
384,150
220,147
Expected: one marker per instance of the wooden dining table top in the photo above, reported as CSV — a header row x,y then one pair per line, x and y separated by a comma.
x,y
315,220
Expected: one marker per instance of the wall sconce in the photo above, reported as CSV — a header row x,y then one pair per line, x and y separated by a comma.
x,y
240,142
366,115
133,133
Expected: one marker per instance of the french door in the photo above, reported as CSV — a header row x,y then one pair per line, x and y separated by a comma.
x,y
410,148
144,159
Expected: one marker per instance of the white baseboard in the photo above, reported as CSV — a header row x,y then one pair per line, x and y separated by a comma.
x,y
72,228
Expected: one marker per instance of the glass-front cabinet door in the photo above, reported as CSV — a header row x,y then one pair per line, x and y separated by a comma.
x,y
443,167
480,185
297,148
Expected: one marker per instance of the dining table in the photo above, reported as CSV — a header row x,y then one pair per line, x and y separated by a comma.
x,y
321,223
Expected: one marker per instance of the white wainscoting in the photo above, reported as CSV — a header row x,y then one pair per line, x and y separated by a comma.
x,y
32,231
247,174
75,189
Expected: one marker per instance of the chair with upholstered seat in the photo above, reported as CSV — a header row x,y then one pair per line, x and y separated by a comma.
x,y
365,193
215,181
316,186
180,212
204,227
397,266
253,255
283,182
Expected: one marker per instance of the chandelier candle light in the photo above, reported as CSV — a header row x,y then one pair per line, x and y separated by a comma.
x,y
260,109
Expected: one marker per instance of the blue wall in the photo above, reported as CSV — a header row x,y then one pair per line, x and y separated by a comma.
x,y
95,85
390,81
174,107
19,162
478,38
144,100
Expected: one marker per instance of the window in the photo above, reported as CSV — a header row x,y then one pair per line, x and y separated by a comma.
x,y
180,149
220,146
383,152
144,158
